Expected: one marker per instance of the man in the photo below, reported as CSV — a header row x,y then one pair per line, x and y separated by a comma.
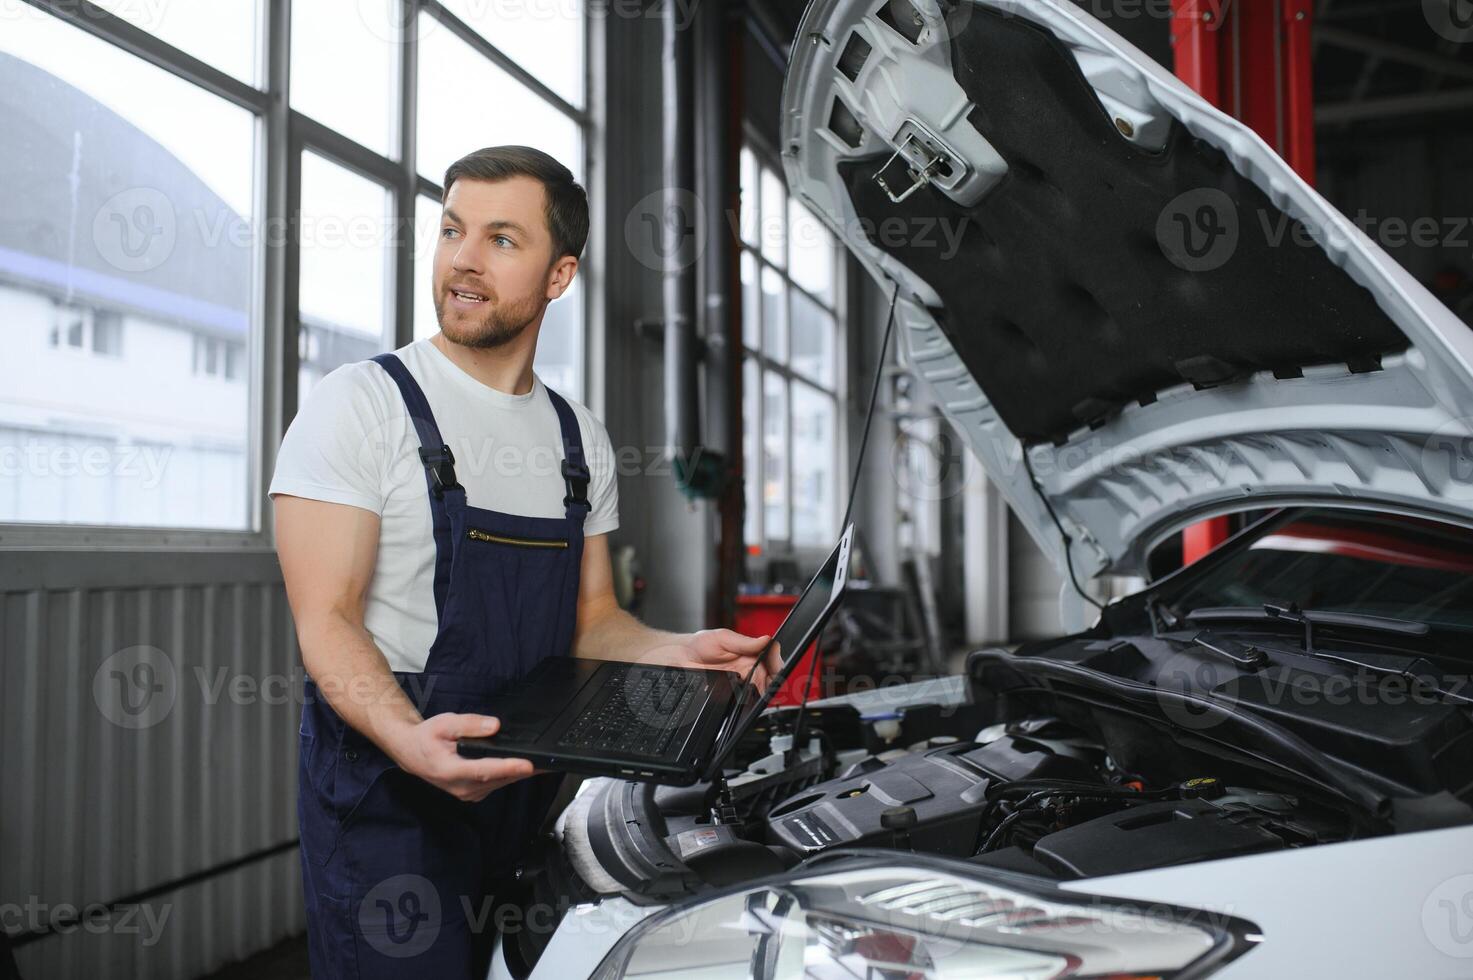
x,y
442,522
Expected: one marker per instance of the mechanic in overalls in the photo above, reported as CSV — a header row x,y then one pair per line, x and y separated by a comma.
x,y
441,519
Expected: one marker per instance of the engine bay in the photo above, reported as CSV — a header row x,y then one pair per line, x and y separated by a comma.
x,y
1031,762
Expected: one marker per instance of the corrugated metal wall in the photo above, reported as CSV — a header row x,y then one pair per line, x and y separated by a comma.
x,y
148,725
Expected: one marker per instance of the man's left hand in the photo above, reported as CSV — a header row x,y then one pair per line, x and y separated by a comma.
x,y
722,649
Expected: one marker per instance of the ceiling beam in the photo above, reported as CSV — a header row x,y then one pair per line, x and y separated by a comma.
x,y
1372,8
1423,103
1339,37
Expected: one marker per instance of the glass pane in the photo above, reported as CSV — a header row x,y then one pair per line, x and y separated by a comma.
x,y
774,315
774,456
345,68
751,461
127,238
451,125
543,36
225,33
751,302
774,217
560,345
345,295
814,475
811,249
427,213
812,337
750,192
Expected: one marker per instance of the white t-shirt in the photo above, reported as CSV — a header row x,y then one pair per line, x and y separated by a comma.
x,y
353,443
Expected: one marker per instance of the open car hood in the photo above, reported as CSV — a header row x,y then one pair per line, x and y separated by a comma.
x,y
1097,265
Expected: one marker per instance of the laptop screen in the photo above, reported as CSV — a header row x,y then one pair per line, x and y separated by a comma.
x,y
798,630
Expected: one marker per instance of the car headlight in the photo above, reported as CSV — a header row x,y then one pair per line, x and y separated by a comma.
x,y
876,919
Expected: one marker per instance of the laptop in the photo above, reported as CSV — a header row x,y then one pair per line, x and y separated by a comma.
x,y
654,724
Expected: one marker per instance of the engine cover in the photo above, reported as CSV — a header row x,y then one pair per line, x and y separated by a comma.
x,y
1156,835
945,789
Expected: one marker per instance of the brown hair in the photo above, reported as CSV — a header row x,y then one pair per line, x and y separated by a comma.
x,y
567,202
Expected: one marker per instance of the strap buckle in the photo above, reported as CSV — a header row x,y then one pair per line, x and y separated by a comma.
x,y
441,466
576,476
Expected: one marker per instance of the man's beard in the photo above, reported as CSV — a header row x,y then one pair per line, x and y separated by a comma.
x,y
501,324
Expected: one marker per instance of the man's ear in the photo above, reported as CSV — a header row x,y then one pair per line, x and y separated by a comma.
x,y
560,276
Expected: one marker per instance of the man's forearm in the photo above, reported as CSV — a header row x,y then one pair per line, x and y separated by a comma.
x,y
613,634
352,673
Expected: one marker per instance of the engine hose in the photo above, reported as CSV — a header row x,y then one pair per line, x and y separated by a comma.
x,y
1078,786
1088,793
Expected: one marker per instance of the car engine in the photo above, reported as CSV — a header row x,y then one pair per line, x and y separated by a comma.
x,y
998,767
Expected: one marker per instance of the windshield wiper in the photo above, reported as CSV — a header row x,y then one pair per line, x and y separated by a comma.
x,y
1163,617
1417,669
1310,618
1241,655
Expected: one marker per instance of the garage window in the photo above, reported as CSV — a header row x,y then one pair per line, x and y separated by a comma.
x,y
156,248
792,370
129,197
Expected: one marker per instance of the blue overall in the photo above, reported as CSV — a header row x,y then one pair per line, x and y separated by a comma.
x,y
398,874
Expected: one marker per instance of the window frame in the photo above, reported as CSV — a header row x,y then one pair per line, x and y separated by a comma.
x,y
283,134
754,402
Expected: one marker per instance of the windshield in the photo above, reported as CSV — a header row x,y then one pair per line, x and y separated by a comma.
x,y
1347,561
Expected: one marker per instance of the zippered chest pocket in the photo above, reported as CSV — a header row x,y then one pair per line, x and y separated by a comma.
x,y
487,537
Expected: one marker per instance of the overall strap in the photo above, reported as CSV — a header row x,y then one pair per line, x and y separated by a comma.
x,y
439,467
575,467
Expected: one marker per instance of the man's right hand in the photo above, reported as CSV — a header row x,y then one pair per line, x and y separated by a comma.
x,y
427,750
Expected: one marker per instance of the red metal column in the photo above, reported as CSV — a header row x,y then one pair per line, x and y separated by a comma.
x,y
1298,18
1250,58
1194,30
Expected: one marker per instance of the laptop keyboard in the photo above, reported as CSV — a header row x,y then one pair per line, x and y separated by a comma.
x,y
638,714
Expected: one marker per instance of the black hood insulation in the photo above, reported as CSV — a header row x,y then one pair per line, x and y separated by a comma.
x,y
1059,297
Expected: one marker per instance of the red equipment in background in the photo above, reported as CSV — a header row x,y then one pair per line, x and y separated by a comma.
x,y
758,615
1251,59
